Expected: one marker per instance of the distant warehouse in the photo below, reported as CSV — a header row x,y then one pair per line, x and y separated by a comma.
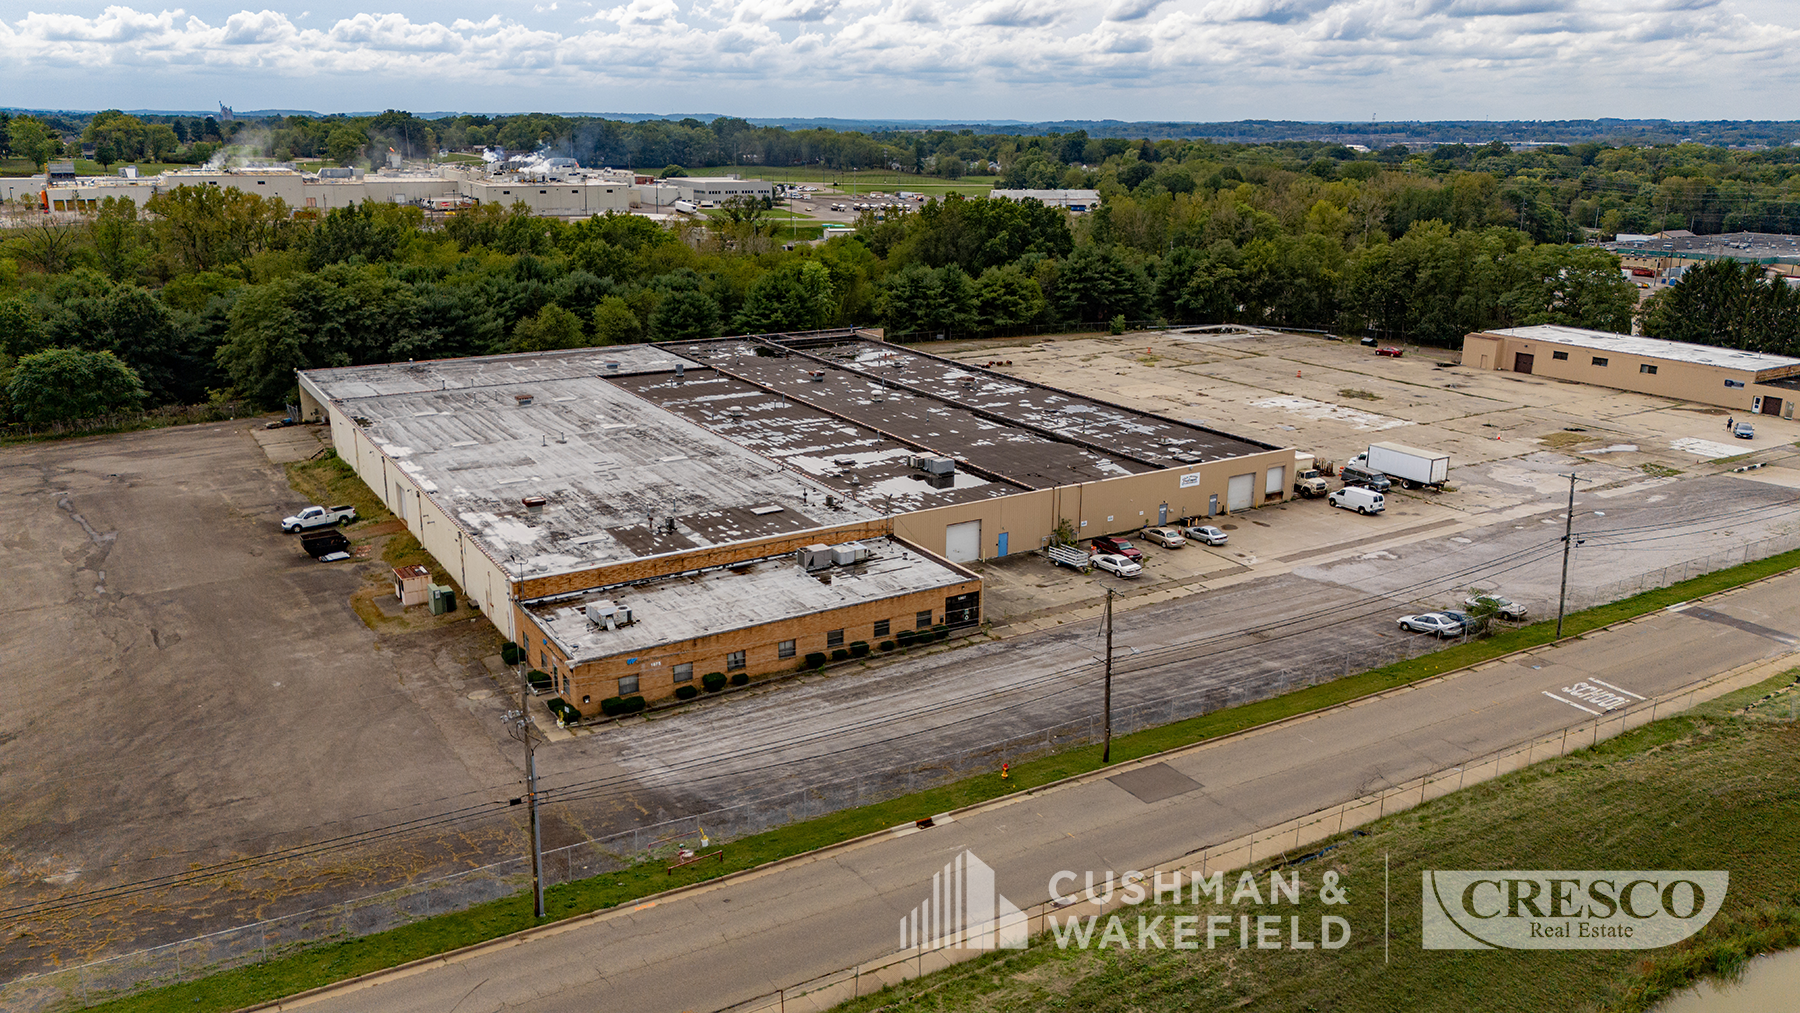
x,y
1074,200
638,517
1742,381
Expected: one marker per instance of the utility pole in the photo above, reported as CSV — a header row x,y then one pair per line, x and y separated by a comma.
x,y
522,730
1568,544
1106,743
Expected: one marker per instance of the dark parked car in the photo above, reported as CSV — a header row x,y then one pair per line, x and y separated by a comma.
x,y
1375,480
1119,547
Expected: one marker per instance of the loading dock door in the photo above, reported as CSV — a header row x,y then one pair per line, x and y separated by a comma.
x,y
1522,362
1771,405
962,542
1240,493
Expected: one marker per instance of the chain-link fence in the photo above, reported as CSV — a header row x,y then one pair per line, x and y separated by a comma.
x,y
1675,573
202,955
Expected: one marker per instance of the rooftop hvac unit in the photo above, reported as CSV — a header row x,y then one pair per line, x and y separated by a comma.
x,y
815,557
607,613
850,552
816,375
522,399
935,465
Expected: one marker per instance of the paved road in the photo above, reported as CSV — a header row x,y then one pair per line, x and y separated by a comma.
x,y
740,765
713,947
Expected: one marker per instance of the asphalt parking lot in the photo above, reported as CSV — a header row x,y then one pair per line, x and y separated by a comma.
x,y
187,687
1511,440
184,686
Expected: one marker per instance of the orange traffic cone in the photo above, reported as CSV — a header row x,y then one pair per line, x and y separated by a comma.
x,y
1296,372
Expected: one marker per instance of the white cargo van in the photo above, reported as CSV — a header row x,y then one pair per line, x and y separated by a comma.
x,y
1363,501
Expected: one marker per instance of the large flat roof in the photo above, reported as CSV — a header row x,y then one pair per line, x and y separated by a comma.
x,y
1113,429
1036,460
1649,348
516,370
623,478
711,601
854,459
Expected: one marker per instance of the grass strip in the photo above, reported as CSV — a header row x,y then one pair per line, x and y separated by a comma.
x,y
322,964
1711,788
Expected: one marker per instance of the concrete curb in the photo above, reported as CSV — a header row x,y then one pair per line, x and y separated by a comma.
x,y
406,970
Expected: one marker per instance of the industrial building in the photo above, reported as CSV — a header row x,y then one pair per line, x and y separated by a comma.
x,y
1742,381
637,517
558,191
1074,200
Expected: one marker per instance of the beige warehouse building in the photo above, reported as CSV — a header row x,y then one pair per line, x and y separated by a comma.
x,y
637,517
1741,381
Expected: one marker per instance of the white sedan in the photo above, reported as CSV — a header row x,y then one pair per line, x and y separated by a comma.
x,y
1442,624
1117,565
1207,534
1501,605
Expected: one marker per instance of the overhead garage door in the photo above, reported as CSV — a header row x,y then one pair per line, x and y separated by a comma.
x,y
1240,493
962,542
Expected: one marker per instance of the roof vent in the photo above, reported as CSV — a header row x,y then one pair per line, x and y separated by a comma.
x,y
534,502
816,375
522,399
612,367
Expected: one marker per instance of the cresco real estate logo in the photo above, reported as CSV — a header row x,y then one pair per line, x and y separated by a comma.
x,y
1536,909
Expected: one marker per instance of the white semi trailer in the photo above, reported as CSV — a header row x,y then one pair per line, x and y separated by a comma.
x,y
1410,466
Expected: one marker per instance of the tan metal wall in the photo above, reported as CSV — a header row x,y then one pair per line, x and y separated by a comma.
x,y
1111,506
1684,381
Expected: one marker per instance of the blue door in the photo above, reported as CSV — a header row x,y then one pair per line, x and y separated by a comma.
x,y
1002,543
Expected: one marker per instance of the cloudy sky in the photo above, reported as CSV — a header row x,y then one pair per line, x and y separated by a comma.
x,y
924,59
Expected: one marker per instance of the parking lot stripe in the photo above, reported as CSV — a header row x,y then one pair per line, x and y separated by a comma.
x,y
1618,689
1571,703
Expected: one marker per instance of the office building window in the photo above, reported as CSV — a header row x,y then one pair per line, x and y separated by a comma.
x,y
922,620
786,650
1559,355
834,638
1599,360
1645,367
628,685
684,672
734,661
881,628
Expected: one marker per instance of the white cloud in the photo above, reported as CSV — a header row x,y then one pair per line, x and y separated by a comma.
x,y
1046,58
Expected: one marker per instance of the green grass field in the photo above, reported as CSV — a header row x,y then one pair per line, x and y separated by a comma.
x,y
1714,788
324,963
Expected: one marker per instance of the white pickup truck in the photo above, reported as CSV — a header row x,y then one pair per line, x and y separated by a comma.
x,y
318,517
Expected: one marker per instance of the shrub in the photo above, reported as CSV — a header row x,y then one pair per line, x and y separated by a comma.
x,y
612,706
713,681
815,660
840,655
859,648
632,704
740,679
509,653
887,645
940,631
686,692
538,679
905,638
563,712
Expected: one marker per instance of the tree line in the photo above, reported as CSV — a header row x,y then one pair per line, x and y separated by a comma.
x,y
216,292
